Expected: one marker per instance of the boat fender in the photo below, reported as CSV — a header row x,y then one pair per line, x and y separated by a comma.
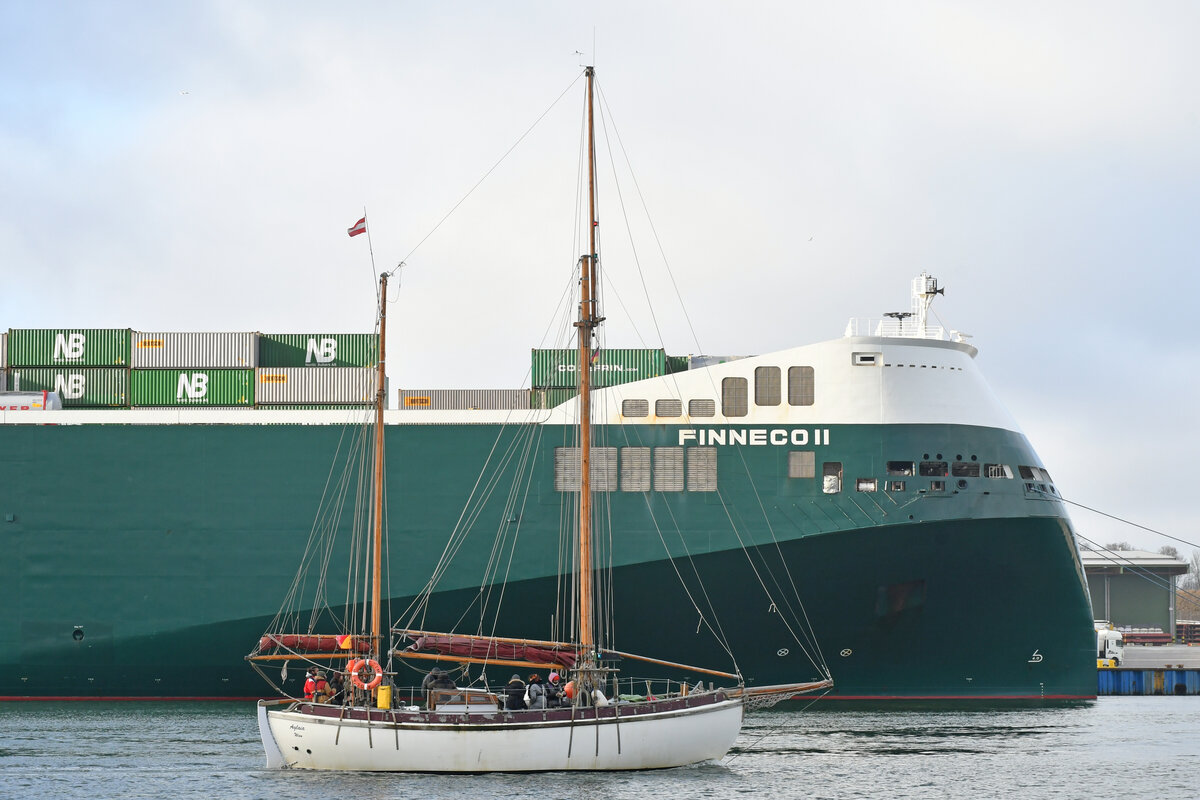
x,y
361,664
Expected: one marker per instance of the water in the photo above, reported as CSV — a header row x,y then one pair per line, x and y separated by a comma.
x,y
1143,746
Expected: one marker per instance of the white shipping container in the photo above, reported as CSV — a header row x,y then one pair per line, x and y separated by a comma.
x,y
464,399
293,385
194,350
3,350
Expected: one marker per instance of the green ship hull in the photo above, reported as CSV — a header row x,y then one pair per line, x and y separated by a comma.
x,y
145,560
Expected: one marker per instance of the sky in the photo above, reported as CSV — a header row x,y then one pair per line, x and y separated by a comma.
x,y
194,166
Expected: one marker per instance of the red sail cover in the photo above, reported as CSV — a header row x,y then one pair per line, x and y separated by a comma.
x,y
312,644
470,647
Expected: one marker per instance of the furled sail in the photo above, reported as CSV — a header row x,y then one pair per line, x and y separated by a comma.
x,y
482,648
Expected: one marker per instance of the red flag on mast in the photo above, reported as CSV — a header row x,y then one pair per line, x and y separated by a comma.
x,y
358,227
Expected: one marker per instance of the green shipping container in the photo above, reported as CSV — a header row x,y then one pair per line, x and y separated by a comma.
x,y
75,347
557,368
549,398
676,364
191,387
84,387
318,349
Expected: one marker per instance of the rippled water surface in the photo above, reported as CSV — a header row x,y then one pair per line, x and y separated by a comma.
x,y
1148,745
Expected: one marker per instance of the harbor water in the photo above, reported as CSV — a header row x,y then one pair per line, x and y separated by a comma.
x,y
206,750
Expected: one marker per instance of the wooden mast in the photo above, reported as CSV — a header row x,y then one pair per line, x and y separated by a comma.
x,y
587,322
377,538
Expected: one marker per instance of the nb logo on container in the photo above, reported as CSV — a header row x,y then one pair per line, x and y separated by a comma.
x,y
70,387
195,388
68,346
322,352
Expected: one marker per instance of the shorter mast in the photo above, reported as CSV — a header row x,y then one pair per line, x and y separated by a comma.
x,y
377,538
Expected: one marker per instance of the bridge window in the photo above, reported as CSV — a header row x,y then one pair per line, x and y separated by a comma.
x,y
802,464
567,463
801,386
900,468
734,402
997,471
965,469
933,468
702,469
668,408
668,469
635,469
702,408
635,408
767,386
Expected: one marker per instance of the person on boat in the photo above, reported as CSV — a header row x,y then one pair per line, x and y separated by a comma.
x,y
514,693
320,687
437,678
310,683
553,690
337,688
536,692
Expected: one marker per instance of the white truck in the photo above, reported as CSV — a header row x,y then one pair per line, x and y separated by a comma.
x,y
1110,648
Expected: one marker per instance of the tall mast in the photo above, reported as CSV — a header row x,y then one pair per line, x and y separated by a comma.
x,y
377,538
588,320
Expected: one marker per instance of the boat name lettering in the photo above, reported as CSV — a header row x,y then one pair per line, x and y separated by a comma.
x,y
19,408
296,727
757,437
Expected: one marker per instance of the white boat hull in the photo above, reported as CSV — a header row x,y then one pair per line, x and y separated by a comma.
x,y
502,742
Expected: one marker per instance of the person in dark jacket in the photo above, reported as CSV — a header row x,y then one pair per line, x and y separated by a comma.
x,y
437,678
537,691
553,691
514,694
337,688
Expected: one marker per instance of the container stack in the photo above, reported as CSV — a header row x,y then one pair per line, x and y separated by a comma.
x,y
193,369
87,367
464,399
555,371
314,371
122,368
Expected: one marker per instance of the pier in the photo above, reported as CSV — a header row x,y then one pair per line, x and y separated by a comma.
x,y
1151,670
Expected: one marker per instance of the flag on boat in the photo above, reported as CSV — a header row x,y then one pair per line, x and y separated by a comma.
x,y
595,356
358,227
345,642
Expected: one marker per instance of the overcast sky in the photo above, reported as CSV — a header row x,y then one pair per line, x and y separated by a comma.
x,y
195,166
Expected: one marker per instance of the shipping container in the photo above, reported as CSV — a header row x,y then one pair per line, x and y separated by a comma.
x,y
194,350
318,349
3,350
77,387
549,398
556,368
191,387
462,399
677,364
368,411
75,347
700,362
302,385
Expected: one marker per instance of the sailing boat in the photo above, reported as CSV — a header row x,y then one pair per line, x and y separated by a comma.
x,y
467,729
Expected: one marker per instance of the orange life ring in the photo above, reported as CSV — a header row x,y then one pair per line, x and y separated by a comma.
x,y
353,665
362,663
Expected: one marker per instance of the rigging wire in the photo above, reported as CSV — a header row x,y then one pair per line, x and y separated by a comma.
x,y
507,152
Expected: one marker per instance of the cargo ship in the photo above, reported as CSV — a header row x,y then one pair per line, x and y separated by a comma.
x,y
151,524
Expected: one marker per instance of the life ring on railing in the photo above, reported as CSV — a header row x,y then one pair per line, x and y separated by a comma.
x,y
361,664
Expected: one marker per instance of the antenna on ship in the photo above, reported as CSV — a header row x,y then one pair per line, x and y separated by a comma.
x,y
924,289
899,316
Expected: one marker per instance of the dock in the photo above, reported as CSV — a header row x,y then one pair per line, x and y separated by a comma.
x,y
1152,670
